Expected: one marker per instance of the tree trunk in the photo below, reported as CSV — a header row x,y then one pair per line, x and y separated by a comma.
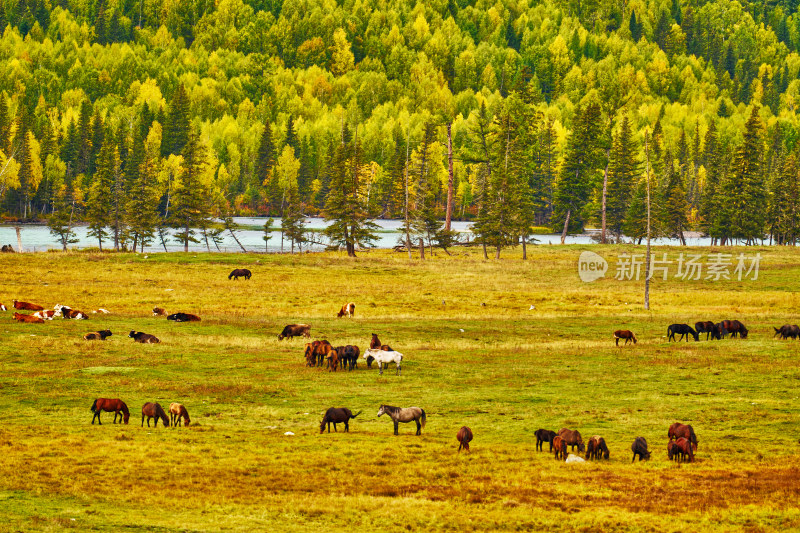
x,y
237,240
405,186
485,253
421,249
524,249
497,252
605,189
449,213
186,238
566,225
19,238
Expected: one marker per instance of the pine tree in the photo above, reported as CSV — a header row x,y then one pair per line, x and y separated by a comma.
x,y
746,192
99,203
191,207
425,220
177,127
291,137
265,160
622,174
784,211
142,207
674,207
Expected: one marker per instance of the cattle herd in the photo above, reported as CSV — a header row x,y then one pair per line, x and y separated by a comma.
x,y
681,445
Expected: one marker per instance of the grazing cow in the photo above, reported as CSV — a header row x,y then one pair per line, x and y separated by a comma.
x,y
3,307
28,319
374,344
704,327
624,334
295,330
678,430
178,414
560,447
97,335
685,448
159,311
464,436
45,315
144,338
155,411
787,332
27,306
240,273
348,310
183,317
542,436
639,447
735,328
684,330
337,415
573,438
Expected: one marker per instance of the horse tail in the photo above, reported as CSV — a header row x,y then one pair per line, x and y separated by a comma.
x,y
355,415
94,406
423,418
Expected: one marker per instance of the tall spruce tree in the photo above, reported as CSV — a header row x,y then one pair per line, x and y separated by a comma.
x,y
674,207
623,171
191,207
746,190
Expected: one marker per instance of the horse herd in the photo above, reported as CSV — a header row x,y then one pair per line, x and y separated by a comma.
x,y
150,410
681,445
323,353
713,331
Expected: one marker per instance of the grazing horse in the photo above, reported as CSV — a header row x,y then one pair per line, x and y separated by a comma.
x,y
348,310
333,360
787,332
684,330
317,352
183,317
719,332
673,452
735,328
240,272
295,330
596,448
348,356
144,338
573,438
97,335
178,415
704,327
108,405
678,430
542,436
624,334
337,415
384,358
560,446
154,410
684,447
29,319
404,414
27,306
464,436
639,447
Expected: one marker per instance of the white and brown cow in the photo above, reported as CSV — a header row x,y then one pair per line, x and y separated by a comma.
x,y
46,314
348,310
30,319
159,311
3,307
69,313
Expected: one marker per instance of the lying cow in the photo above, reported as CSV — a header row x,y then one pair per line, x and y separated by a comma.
x,y
348,310
295,330
159,311
144,338
45,315
3,307
28,319
97,335
183,317
27,306
73,314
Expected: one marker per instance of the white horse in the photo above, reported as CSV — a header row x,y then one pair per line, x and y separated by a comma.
x,y
384,357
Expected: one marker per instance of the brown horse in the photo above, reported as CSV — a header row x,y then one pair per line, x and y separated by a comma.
x,y
317,351
333,360
704,327
639,447
624,334
107,405
375,344
596,448
678,430
673,452
560,447
573,438
735,328
178,415
464,436
154,410
337,415
684,447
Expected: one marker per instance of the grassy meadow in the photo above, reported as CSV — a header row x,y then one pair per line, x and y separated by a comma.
x,y
476,355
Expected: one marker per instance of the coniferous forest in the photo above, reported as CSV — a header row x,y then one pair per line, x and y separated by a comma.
x,y
133,117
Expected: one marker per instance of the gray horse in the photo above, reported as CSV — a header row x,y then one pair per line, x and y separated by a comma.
x,y
404,414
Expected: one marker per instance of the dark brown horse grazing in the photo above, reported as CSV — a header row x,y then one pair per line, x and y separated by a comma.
x,y
572,438
107,405
678,430
639,447
337,415
154,410
787,331
464,436
704,327
685,448
240,272
560,447
348,356
672,450
178,414
333,360
596,448
735,328
542,436
624,334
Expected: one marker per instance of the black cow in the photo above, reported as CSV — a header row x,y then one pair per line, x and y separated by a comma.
x,y
97,335
183,317
144,338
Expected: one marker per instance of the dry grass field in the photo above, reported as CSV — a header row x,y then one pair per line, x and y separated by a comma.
x,y
476,355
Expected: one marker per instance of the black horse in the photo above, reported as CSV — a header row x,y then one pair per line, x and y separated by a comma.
x,y
787,331
240,272
337,415
684,330
639,447
542,436
719,332
704,327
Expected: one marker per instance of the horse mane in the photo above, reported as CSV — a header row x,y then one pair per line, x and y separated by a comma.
x,y
124,407
692,435
390,409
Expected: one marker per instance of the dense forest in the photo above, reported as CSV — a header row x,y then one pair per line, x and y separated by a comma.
x,y
134,116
